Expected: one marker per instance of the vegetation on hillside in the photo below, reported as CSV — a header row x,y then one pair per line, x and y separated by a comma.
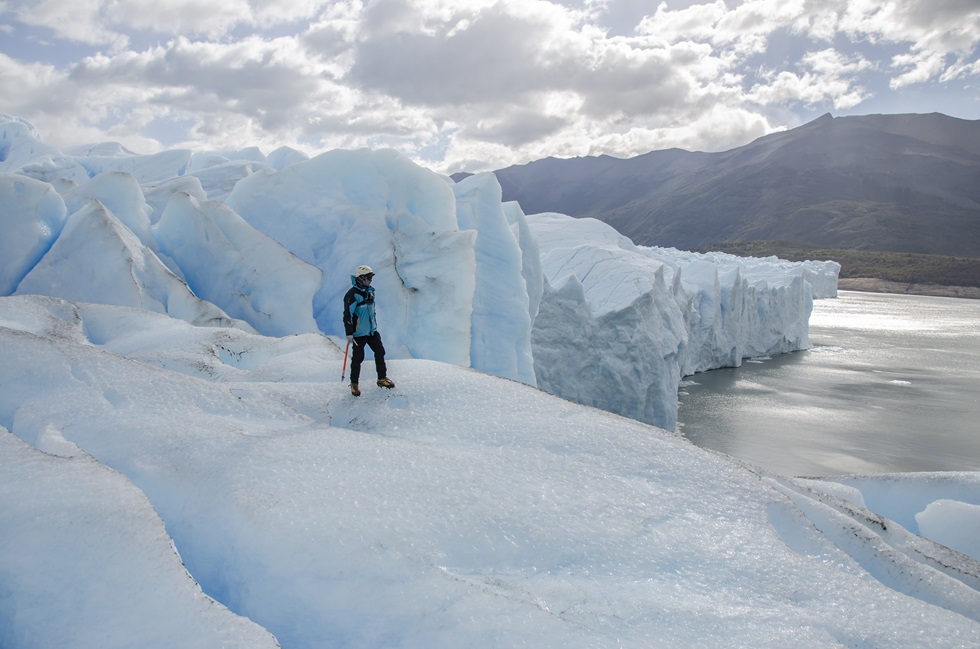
x,y
892,266
836,187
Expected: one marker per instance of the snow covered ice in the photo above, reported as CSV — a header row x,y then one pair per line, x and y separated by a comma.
x,y
86,561
181,465
619,324
457,510
462,277
212,247
347,208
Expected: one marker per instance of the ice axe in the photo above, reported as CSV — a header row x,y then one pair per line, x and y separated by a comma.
x,y
344,370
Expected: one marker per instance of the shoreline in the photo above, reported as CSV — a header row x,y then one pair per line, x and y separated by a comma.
x,y
874,285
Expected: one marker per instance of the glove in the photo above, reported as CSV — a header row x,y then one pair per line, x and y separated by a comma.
x,y
350,339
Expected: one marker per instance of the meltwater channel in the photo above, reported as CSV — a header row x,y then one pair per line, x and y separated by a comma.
x,y
891,384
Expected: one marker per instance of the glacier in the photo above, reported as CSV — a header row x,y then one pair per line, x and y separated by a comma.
x,y
619,325
166,484
212,247
26,240
96,258
181,464
341,209
569,306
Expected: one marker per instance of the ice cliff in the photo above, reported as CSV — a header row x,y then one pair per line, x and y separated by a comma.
x,y
619,324
268,244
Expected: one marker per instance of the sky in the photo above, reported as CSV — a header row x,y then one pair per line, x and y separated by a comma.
x,y
474,85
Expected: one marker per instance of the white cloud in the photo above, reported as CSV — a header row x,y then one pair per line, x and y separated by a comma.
x,y
919,66
941,33
108,22
65,113
23,86
252,77
742,29
177,16
496,81
748,24
696,22
74,21
438,53
826,75
961,70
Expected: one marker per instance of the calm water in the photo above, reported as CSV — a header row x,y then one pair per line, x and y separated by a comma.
x,y
892,383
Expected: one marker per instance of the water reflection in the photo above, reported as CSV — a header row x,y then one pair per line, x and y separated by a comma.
x,y
891,384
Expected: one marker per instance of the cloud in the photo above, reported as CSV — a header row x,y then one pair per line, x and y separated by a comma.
x,y
23,86
629,81
512,55
498,54
516,127
453,81
251,77
739,31
940,34
73,21
919,67
110,22
824,76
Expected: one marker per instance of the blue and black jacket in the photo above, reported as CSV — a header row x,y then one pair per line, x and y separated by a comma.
x,y
359,318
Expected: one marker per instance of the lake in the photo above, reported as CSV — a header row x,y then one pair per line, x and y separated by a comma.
x,y
891,384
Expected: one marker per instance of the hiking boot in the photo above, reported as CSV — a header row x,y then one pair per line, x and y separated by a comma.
x,y
355,390
386,383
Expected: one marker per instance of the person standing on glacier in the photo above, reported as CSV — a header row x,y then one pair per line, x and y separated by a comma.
x,y
361,327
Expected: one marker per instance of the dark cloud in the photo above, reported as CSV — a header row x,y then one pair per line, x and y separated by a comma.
x,y
637,87
382,18
516,128
931,13
326,42
494,58
199,77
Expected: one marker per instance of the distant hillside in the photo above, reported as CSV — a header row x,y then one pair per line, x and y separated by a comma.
x,y
899,267
902,183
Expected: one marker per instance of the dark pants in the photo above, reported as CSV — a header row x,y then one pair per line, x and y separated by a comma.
x,y
374,342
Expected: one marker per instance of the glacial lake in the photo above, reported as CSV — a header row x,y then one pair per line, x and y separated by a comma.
x,y
891,384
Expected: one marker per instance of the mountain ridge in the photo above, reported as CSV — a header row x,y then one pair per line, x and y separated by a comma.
x,y
902,183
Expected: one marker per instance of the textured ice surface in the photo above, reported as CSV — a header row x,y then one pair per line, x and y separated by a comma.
x,y
457,510
944,506
243,271
953,523
619,325
569,305
31,217
119,193
86,561
98,259
342,209
501,319
23,152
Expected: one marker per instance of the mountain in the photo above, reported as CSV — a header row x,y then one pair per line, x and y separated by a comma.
x,y
903,183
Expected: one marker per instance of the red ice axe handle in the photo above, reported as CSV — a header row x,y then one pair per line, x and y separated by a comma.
x,y
344,371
